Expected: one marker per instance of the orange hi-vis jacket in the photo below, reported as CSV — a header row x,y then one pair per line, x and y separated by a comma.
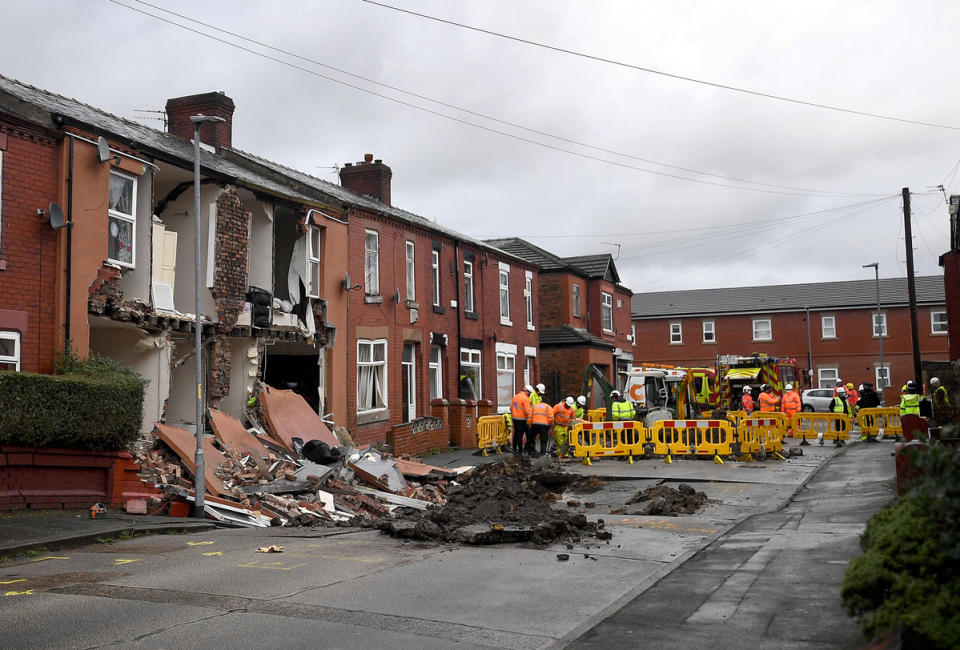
x,y
791,402
520,406
768,402
562,414
853,396
542,414
746,402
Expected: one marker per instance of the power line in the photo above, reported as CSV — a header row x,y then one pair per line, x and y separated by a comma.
x,y
786,189
662,73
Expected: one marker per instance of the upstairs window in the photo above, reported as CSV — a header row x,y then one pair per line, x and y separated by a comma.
x,y
879,325
576,301
676,333
371,263
938,322
468,287
10,351
606,311
528,297
435,269
709,332
505,294
122,219
828,327
762,329
411,272
313,261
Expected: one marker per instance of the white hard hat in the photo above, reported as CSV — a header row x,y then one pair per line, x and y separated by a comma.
x,y
841,390
934,380
789,387
568,401
582,401
746,389
614,393
541,388
528,388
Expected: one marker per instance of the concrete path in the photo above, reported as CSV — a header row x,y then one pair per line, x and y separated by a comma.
x,y
772,581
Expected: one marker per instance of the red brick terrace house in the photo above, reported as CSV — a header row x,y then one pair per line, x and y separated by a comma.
x,y
433,314
693,327
584,317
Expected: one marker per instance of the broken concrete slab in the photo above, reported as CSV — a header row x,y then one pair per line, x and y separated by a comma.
x,y
184,444
417,470
311,471
288,416
379,472
234,436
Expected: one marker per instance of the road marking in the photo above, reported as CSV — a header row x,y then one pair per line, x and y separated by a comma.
x,y
10,582
199,543
28,592
276,566
118,561
50,557
666,525
212,553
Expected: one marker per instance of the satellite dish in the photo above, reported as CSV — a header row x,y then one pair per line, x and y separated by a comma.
x,y
56,216
103,150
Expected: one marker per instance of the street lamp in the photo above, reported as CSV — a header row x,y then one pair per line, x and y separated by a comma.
x,y
199,484
883,374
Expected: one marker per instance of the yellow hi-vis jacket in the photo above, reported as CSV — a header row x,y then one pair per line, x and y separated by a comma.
x,y
910,404
622,411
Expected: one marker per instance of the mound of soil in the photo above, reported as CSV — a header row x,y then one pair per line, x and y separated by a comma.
x,y
666,501
500,502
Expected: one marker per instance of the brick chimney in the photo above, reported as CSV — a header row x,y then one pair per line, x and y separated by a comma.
x,y
370,177
179,110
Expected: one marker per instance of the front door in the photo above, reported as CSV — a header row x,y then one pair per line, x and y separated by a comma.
x,y
408,380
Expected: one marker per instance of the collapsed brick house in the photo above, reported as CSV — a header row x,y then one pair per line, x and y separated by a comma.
x,y
371,313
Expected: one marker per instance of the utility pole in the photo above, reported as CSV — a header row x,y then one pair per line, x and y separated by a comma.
x,y
911,285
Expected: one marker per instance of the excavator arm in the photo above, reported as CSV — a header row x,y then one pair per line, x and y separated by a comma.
x,y
593,376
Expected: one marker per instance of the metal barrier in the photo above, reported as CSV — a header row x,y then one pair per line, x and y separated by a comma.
x,y
593,439
692,438
822,426
761,434
492,433
596,415
872,420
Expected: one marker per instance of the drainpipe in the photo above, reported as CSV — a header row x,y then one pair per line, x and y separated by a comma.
x,y
456,284
66,325
809,350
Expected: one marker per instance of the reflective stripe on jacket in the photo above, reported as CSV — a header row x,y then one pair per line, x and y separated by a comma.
x,y
910,404
541,414
520,406
768,402
562,414
839,405
622,411
746,402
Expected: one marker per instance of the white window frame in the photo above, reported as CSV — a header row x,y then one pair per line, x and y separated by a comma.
x,y
529,356
577,312
757,325
373,344
410,249
826,371
828,331
371,263
633,333
676,333
876,376
711,331
504,282
313,260
435,369
934,323
606,311
409,369
528,297
882,324
122,216
506,364
15,359
468,286
435,268
473,358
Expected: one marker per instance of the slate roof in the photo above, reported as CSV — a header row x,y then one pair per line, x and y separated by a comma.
x,y
546,260
596,266
49,109
568,335
786,297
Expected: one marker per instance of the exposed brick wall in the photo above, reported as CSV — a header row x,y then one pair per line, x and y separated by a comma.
x,y
28,246
105,292
231,260
951,284
403,440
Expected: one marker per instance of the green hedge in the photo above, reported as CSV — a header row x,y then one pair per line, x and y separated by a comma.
x,y
93,404
909,574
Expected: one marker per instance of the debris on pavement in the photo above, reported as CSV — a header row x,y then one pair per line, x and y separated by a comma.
x,y
666,501
273,548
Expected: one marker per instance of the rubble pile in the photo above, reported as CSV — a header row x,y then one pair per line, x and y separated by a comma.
x,y
509,501
666,501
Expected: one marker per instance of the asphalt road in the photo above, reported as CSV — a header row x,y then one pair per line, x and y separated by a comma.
x,y
343,588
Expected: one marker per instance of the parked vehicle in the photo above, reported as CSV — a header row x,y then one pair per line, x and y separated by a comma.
x,y
817,399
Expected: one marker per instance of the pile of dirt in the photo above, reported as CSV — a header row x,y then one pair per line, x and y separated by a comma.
x,y
501,502
666,501
587,485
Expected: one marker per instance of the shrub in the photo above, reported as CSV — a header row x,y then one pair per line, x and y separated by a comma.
x,y
909,574
93,404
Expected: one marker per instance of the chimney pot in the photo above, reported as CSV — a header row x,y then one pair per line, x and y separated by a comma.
x,y
179,110
378,161
368,179
367,157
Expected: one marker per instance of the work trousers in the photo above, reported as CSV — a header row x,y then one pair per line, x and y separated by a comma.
x,y
560,437
519,430
537,430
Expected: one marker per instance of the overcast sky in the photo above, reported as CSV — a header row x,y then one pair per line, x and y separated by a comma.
x,y
583,193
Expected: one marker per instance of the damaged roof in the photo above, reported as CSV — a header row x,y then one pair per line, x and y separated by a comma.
x,y
54,111
786,297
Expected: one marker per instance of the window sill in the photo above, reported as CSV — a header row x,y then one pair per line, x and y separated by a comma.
x,y
708,342
506,322
438,309
931,333
761,341
413,304
675,343
828,338
3,265
530,327
369,299
369,417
